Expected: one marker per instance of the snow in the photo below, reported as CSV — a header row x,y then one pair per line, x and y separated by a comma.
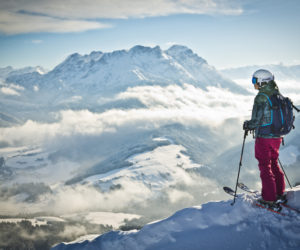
x,y
157,169
37,221
33,164
27,158
107,218
8,71
112,219
85,238
214,225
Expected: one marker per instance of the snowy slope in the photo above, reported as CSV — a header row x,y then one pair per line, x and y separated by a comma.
x,y
215,225
162,167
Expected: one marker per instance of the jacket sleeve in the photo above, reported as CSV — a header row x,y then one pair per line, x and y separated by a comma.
x,y
257,113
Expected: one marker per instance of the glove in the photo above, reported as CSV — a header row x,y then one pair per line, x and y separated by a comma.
x,y
246,125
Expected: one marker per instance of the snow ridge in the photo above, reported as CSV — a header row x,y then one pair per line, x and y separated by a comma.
x,y
215,225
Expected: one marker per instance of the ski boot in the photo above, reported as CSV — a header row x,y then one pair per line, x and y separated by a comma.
x,y
273,205
281,199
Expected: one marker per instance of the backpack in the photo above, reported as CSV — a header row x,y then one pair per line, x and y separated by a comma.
x,y
282,116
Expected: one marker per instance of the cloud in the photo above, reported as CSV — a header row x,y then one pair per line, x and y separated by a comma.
x,y
176,195
134,197
185,105
17,23
189,104
22,16
9,91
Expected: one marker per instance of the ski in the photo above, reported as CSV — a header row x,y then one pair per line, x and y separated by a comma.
x,y
289,207
269,208
245,188
231,192
281,202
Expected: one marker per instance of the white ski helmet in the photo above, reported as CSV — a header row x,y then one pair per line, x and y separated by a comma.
x,y
262,76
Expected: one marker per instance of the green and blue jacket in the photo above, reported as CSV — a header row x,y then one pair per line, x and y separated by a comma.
x,y
261,111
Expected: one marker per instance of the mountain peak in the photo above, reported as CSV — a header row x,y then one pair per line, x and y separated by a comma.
x,y
180,52
94,55
143,49
180,48
73,57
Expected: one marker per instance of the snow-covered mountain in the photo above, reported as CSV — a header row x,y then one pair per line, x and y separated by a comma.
x,y
215,225
12,96
92,81
99,74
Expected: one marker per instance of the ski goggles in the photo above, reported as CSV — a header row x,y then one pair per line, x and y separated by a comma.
x,y
254,80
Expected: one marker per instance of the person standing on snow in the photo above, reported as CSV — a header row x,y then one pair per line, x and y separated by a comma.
x,y
266,146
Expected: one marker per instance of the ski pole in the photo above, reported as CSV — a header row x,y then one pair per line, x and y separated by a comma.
x,y
298,110
284,173
238,176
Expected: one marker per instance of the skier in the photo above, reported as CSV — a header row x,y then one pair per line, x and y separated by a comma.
x,y
266,146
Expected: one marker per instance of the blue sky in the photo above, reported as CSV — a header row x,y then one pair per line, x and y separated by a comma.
x,y
227,33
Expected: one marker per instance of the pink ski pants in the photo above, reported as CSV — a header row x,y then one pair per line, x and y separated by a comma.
x,y
272,177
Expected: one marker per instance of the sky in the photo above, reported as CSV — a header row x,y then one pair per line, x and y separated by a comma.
x,y
226,33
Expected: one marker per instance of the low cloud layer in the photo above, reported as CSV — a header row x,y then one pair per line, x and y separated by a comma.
x,y
133,197
185,105
72,16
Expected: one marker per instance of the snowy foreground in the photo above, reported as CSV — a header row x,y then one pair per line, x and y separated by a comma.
x,y
215,225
